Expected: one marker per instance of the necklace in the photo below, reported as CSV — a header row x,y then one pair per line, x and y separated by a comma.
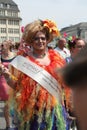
x,y
39,56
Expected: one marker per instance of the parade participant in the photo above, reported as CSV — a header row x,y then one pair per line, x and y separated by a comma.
x,y
74,46
37,91
70,74
6,57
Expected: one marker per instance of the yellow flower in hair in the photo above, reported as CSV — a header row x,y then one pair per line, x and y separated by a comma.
x,y
51,25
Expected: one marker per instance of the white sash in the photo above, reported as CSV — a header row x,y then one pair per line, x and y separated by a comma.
x,y
37,73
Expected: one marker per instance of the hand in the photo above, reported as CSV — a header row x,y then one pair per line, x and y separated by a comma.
x,y
4,71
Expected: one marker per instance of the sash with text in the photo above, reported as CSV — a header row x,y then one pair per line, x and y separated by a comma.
x,y
41,76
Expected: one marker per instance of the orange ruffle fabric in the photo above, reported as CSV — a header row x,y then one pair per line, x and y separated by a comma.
x,y
29,96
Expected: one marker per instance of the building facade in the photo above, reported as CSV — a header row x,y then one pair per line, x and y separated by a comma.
x,y
10,21
79,30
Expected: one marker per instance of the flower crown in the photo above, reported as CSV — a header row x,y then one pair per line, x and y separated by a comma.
x,y
51,25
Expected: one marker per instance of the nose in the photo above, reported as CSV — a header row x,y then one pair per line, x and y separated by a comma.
x,y
40,40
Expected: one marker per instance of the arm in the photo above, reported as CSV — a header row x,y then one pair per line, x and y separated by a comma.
x,y
11,81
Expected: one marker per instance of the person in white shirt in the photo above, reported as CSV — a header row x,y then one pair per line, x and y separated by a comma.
x,y
61,48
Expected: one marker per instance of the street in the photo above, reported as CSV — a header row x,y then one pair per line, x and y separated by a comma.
x,y
2,120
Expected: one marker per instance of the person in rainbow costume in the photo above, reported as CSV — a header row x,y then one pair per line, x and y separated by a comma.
x,y
37,93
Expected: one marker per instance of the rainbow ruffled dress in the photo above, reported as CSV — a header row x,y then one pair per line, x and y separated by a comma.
x,y
36,108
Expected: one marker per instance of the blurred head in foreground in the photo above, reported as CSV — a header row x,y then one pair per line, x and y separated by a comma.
x,y
75,76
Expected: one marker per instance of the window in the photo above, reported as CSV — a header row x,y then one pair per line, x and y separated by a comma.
x,y
1,5
10,22
8,6
13,22
9,13
17,39
83,34
4,5
12,14
3,30
16,31
2,13
2,21
11,38
16,22
11,30
3,39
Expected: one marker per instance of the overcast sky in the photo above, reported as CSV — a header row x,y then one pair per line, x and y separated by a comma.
x,y
63,12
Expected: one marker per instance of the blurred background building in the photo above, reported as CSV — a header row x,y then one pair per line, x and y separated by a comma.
x,y
79,30
10,21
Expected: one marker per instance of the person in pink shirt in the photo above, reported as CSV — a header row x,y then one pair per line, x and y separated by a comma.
x,y
6,57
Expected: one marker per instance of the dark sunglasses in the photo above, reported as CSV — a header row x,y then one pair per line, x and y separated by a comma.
x,y
40,38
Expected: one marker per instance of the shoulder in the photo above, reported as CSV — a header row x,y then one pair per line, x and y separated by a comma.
x,y
57,49
67,50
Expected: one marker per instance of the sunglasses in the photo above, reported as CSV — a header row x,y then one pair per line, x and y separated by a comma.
x,y
40,38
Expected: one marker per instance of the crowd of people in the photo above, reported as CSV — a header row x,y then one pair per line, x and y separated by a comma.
x,y
38,84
